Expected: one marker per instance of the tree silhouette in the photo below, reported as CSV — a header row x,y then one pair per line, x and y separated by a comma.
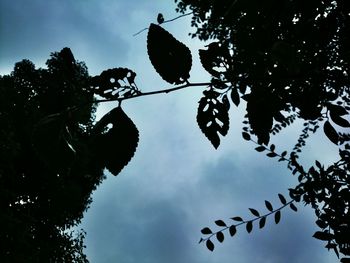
x,y
45,183
287,59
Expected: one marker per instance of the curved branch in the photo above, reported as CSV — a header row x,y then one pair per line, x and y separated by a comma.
x,y
166,21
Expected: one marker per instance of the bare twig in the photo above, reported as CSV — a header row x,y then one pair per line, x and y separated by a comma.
x,y
166,21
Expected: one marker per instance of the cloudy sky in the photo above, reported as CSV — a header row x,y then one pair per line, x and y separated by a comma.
x,y
177,183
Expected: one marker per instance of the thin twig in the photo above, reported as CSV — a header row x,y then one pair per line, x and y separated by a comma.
x,y
166,21
157,91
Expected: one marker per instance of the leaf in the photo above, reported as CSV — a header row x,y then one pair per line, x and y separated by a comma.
x,y
325,236
321,223
260,148
246,136
293,207
212,58
212,118
235,96
237,218
262,222
115,83
206,231
254,212
268,206
272,147
115,147
220,223
210,245
277,216
226,102
271,154
232,230
339,120
220,236
249,226
282,199
170,58
331,133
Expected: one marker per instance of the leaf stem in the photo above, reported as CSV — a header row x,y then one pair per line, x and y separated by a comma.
x,y
166,21
141,94
246,221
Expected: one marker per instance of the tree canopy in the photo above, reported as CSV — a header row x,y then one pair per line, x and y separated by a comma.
x,y
287,59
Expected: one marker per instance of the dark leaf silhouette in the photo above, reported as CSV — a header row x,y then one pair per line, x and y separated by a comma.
x,y
232,230
170,58
282,199
206,231
210,245
212,117
262,222
237,218
293,207
115,83
115,140
271,154
235,96
260,148
249,226
277,216
322,224
246,136
339,120
254,212
220,223
331,133
268,206
212,58
220,236
325,235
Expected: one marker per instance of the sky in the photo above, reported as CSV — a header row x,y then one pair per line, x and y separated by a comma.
x,y
177,183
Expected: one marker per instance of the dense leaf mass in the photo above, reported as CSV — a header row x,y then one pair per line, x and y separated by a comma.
x,y
47,171
288,60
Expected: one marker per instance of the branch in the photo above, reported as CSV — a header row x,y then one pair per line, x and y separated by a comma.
x,y
166,21
157,91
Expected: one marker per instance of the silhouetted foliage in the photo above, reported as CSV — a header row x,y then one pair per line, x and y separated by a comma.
x,y
287,59
47,170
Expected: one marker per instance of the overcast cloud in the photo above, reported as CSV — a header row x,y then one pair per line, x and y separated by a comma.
x,y
176,183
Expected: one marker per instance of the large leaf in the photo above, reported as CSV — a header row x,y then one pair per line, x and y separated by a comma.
x,y
331,133
115,140
212,117
115,83
170,58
